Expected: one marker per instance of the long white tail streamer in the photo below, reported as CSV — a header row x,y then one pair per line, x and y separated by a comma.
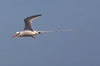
x,y
68,30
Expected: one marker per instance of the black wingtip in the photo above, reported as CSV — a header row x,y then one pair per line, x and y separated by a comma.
x,y
39,15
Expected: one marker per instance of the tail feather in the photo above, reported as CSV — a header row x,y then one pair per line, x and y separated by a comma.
x,y
68,30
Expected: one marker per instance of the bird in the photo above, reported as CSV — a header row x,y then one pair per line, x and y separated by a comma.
x,y
29,31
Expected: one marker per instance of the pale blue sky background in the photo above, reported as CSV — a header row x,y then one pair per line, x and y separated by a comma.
x,y
81,47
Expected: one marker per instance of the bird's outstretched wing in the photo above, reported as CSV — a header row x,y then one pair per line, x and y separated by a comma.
x,y
28,22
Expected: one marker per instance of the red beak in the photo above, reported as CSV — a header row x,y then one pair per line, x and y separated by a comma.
x,y
14,35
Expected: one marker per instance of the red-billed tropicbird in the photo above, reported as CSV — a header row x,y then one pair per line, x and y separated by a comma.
x,y
29,32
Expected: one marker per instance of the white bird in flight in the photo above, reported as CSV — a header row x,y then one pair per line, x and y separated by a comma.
x,y
28,30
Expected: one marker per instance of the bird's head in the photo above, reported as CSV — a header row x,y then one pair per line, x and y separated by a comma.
x,y
17,34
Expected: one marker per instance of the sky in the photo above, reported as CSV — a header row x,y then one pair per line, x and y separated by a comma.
x,y
81,47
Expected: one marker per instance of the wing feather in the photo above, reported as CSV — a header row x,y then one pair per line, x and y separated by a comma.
x,y
28,22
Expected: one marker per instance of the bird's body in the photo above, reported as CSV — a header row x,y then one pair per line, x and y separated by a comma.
x,y
29,31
